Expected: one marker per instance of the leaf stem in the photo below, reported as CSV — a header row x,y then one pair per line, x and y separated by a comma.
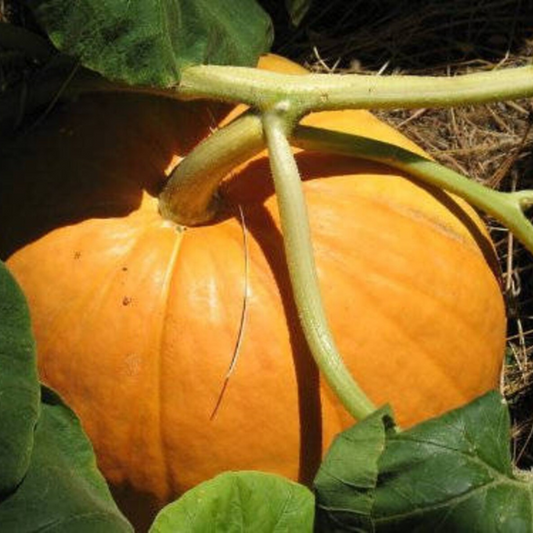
x,y
507,208
302,269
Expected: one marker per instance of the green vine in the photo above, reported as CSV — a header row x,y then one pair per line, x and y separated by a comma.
x,y
301,264
191,189
506,207
314,92
320,92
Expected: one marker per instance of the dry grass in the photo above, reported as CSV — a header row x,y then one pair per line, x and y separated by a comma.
x,y
492,144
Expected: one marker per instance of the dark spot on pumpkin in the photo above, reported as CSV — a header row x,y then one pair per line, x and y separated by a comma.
x,y
126,300
77,255
124,269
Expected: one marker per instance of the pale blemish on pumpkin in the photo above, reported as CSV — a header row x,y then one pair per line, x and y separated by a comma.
x,y
132,364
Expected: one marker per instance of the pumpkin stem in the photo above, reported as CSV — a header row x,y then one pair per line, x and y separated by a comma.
x,y
301,264
189,197
505,207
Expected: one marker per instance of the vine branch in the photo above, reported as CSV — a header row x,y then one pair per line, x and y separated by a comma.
x,y
302,269
506,208
190,192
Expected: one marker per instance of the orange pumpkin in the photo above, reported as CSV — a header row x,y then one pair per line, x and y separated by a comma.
x,y
136,319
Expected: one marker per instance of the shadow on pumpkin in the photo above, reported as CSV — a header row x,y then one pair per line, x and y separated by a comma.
x,y
93,158
312,165
266,233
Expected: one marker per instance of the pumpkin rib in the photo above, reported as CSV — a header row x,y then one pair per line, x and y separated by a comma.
x,y
165,289
440,199
405,282
188,233
428,353
265,233
445,308
152,342
425,355
99,285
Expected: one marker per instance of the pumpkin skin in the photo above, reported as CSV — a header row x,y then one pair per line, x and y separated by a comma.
x,y
136,319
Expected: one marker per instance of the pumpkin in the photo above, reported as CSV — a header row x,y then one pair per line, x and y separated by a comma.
x,y
136,318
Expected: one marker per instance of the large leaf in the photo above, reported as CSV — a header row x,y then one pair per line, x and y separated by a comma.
x,y
453,473
62,491
348,476
19,387
240,502
149,42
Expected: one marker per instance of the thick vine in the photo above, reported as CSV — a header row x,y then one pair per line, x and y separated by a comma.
x,y
301,264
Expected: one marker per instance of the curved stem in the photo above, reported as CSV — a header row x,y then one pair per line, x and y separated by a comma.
x,y
316,92
189,197
507,208
302,269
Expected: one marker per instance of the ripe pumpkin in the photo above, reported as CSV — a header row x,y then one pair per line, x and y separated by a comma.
x,y
136,319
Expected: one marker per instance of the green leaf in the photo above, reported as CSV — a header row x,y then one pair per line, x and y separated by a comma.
x,y
62,491
240,502
48,475
348,475
297,9
149,42
452,473
19,387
